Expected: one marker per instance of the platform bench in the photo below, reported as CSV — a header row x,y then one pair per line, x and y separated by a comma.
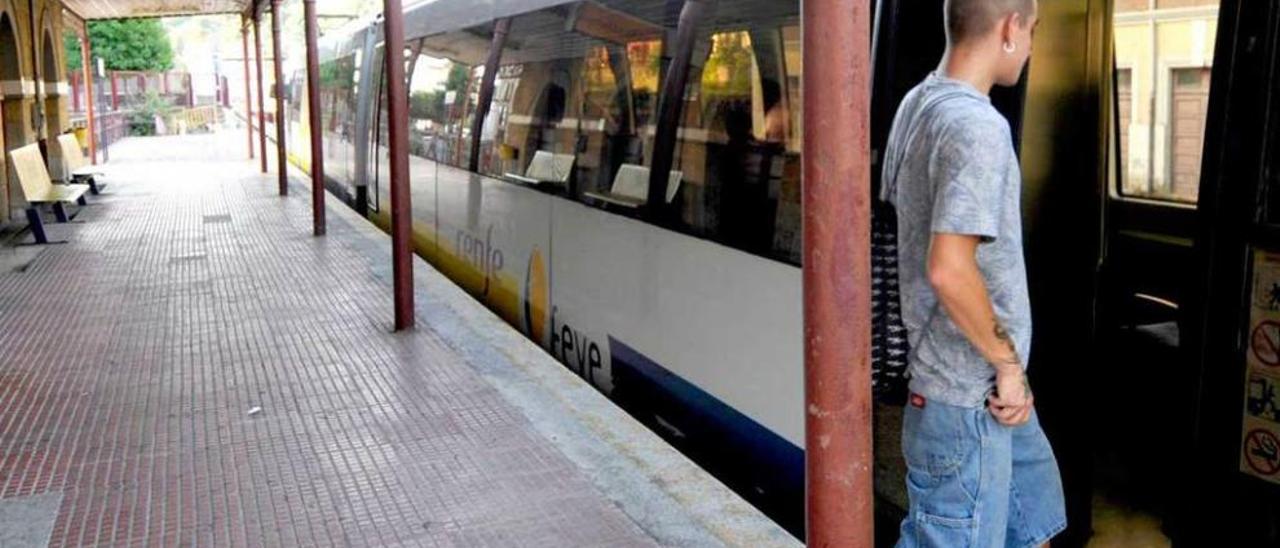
x,y
38,189
76,167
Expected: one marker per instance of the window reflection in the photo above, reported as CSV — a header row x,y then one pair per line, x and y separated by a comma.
x,y
739,143
575,110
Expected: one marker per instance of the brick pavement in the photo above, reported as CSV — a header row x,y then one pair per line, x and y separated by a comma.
x,y
189,294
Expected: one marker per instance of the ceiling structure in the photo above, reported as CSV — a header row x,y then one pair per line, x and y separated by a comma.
x,y
114,9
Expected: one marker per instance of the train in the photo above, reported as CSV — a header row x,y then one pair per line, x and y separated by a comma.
x,y
662,264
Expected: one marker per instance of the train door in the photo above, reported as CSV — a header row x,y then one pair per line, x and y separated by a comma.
x,y
1162,80
1231,488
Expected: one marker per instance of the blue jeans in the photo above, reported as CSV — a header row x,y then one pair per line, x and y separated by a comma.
x,y
974,482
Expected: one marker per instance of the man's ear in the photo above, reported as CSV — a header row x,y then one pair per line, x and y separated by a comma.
x,y
1009,26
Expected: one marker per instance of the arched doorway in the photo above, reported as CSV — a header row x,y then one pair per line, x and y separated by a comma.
x,y
10,106
51,72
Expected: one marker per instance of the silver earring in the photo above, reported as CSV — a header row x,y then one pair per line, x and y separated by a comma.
x,y
1009,47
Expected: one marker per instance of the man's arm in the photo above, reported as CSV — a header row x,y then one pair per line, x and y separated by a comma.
x,y
955,277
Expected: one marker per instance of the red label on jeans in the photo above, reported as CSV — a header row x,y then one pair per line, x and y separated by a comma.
x,y
917,401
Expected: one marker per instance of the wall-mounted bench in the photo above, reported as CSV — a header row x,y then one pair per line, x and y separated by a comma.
x,y
37,189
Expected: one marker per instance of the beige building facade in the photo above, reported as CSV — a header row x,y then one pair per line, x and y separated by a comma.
x,y
1164,59
33,83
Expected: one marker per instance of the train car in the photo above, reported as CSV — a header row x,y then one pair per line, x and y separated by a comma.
x,y
682,303
691,325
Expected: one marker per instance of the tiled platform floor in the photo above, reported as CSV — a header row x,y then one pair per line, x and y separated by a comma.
x,y
130,359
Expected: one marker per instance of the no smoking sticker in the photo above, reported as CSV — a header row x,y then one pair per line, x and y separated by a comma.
x,y
1262,452
1264,343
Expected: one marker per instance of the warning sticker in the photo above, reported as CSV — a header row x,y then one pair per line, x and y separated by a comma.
x,y
1263,355
1260,440
1261,400
1264,343
1260,450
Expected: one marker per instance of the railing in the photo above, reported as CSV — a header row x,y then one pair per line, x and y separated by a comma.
x,y
204,117
123,90
114,126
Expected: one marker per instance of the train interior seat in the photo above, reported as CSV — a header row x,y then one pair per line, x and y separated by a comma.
x,y
546,167
631,186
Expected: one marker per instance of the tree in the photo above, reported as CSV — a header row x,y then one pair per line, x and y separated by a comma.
x,y
125,44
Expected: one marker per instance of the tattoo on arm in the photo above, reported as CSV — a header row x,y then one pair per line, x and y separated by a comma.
x,y
1003,334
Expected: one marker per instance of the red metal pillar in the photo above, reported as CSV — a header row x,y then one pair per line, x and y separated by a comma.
x,y
86,63
837,273
248,89
282,165
313,116
191,91
398,132
262,114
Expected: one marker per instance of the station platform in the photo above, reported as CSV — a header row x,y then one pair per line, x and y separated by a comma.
x,y
193,368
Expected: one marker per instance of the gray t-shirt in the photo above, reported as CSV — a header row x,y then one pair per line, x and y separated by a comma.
x,y
950,168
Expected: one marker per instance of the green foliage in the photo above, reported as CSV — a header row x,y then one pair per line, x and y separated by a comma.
x,y
71,45
125,44
727,73
429,105
459,75
142,121
426,105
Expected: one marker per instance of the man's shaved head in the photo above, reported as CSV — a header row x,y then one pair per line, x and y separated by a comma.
x,y
967,19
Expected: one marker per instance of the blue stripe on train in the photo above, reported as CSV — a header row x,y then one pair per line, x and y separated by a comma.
x,y
761,466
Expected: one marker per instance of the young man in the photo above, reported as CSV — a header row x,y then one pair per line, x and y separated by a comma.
x,y
980,470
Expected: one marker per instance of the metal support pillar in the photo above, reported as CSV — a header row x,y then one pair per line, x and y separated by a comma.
x,y
837,273
91,118
500,30
313,116
282,164
398,132
115,92
248,84
262,115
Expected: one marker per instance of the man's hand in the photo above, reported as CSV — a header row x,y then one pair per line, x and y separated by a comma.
x,y
1012,403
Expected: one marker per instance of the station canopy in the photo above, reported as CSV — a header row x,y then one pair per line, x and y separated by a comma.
x,y
114,9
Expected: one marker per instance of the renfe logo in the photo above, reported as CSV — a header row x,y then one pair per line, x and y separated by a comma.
x,y
480,254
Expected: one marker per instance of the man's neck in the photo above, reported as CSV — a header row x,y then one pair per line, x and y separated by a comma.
x,y
968,65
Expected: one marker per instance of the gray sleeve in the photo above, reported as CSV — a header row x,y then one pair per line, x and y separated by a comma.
x,y
968,171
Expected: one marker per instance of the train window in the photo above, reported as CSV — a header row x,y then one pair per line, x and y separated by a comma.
x,y
435,111
1164,51
337,115
738,150
576,91
644,61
